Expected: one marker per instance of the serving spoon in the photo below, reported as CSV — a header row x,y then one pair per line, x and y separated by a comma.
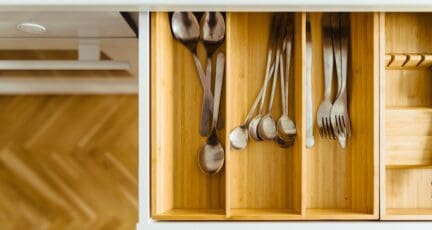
x,y
186,29
212,156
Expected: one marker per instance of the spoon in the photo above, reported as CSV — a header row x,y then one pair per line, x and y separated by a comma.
x,y
286,127
283,139
267,125
211,156
185,28
212,33
253,125
239,136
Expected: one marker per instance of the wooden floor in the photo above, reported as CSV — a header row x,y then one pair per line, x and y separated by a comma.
x,y
68,162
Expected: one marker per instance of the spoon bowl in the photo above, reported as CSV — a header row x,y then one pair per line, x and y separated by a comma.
x,y
285,126
212,31
185,28
267,128
211,156
239,137
253,128
284,142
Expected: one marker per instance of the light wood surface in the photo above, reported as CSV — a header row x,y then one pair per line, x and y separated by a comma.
x,y
409,136
262,182
338,179
406,165
176,94
262,175
68,162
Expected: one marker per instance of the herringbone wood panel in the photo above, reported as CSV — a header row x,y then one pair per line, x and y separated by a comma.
x,y
68,162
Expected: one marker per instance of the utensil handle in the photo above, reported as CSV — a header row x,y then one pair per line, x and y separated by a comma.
x,y
344,48
328,55
220,65
282,80
336,35
202,75
206,107
266,79
290,31
275,78
255,104
309,121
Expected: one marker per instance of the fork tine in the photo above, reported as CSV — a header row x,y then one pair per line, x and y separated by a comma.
x,y
320,131
339,117
333,124
324,128
328,127
342,128
343,121
320,127
331,130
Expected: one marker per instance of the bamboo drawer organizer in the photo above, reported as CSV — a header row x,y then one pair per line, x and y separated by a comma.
x,y
266,182
406,118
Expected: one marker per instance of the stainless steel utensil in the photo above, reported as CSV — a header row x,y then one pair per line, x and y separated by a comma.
x,y
323,115
310,141
267,129
239,136
267,125
212,34
339,112
186,29
285,126
212,156
253,125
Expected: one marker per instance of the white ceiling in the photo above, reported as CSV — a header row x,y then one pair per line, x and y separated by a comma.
x,y
66,24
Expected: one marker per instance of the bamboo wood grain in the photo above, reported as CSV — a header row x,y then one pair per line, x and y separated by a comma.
x,y
262,182
382,110
261,176
339,180
406,150
178,186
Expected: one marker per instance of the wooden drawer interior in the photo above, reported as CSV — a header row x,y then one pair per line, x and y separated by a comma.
x,y
407,118
341,183
263,181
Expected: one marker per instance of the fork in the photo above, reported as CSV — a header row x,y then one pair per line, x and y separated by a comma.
x,y
323,115
339,113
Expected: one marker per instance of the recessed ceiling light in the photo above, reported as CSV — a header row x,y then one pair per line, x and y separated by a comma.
x,y
31,28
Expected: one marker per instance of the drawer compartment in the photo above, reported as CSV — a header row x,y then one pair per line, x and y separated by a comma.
x,y
263,181
406,147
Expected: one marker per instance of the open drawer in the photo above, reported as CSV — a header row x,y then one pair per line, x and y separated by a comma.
x,y
406,117
263,181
